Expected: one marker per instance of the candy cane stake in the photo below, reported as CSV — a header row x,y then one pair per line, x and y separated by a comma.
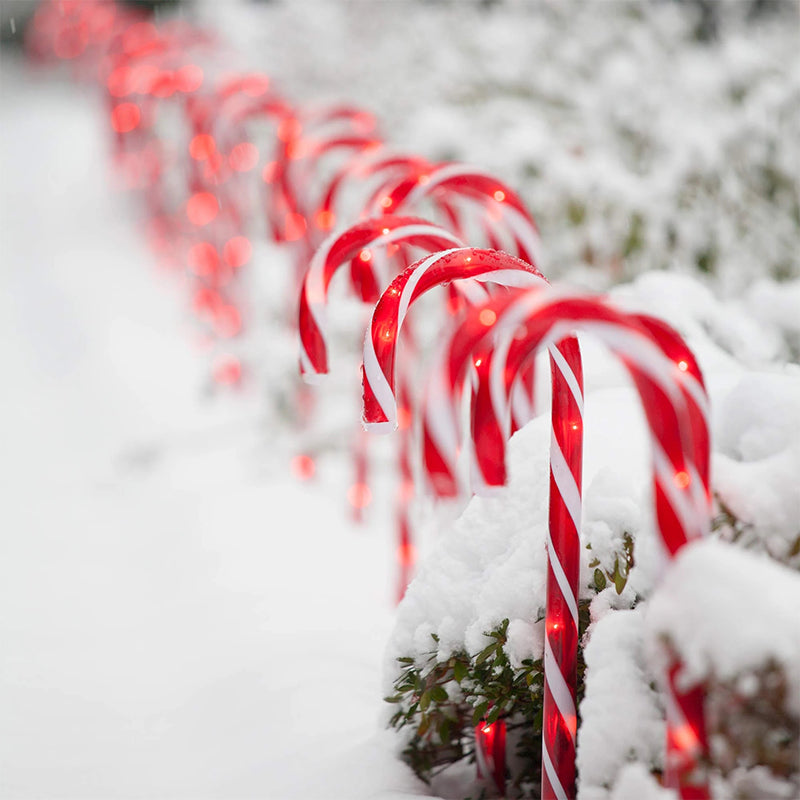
x,y
671,389
380,342
338,249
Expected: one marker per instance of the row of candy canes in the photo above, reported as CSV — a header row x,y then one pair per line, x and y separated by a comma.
x,y
500,337
495,337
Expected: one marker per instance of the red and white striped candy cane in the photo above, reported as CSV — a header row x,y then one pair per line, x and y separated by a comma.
x,y
358,241
675,404
458,180
380,342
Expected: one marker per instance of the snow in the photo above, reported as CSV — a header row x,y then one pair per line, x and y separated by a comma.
x,y
179,616
748,619
182,618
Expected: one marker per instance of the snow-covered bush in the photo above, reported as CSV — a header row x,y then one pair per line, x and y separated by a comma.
x,y
469,633
637,144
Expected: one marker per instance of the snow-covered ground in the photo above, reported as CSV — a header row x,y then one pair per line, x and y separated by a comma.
x,y
180,617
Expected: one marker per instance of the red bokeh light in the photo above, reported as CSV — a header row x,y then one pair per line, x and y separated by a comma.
x,y
202,208
359,495
303,467
202,146
125,117
237,251
203,259
243,157
228,371
189,78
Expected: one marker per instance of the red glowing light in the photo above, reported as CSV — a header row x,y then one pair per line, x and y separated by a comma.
x,y
243,157
289,129
228,371
294,227
189,78
386,202
118,82
303,467
325,219
685,737
575,426
164,85
487,317
683,366
499,195
202,146
359,495
407,554
424,178
365,255
403,418
478,362
203,259
202,208
71,42
488,728
125,117
682,479
237,251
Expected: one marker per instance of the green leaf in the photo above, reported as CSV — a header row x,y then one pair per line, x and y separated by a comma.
x,y
444,729
494,714
480,712
425,700
439,694
405,660
599,580
424,725
395,698
460,670
620,579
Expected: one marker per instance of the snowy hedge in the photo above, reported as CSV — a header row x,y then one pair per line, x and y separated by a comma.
x,y
470,630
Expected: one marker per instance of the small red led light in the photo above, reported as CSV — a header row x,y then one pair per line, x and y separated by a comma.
x,y
125,117
202,208
407,554
683,366
202,146
303,467
164,85
118,82
359,495
203,259
325,219
682,479
386,202
499,195
228,371
189,78
423,179
403,418
243,157
289,129
237,251
487,317
365,255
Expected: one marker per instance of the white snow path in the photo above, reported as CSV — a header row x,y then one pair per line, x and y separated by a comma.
x,y
175,624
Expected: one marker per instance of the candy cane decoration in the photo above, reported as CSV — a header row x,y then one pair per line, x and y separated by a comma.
x,y
380,342
358,241
477,185
672,393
